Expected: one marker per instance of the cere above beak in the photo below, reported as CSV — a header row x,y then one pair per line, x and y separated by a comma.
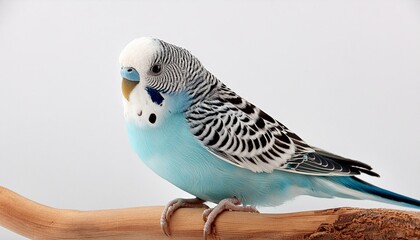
x,y
130,79
130,73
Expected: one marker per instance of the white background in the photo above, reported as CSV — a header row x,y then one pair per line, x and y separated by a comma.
x,y
344,75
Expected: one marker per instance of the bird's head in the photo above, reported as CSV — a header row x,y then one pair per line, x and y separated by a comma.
x,y
159,78
152,63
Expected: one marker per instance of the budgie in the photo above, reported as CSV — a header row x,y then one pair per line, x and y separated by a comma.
x,y
195,132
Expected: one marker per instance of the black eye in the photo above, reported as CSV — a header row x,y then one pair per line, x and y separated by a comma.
x,y
156,69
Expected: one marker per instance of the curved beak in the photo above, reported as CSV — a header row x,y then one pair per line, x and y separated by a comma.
x,y
130,79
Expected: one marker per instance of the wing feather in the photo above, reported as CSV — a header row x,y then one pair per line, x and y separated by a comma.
x,y
242,134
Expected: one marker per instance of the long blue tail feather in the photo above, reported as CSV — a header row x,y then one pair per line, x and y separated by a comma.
x,y
378,193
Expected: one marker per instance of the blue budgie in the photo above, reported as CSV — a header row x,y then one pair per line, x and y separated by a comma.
x,y
193,131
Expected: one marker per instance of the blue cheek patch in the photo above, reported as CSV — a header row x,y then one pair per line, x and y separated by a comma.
x,y
155,95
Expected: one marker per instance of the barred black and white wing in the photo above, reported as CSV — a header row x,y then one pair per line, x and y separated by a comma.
x,y
242,134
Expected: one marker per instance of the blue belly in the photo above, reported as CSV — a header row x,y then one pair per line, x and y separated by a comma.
x,y
172,152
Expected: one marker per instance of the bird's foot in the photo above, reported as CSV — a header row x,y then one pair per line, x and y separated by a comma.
x,y
228,204
174,205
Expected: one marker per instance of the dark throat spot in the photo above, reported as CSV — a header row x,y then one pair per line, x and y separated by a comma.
x,y
152,118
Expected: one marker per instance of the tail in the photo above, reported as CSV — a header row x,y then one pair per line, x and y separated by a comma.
x,y
359,189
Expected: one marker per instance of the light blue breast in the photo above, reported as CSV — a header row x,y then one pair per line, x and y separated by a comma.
x,y
172,152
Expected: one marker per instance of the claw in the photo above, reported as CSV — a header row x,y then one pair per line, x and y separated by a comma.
x,y
230,204
174,205
209,214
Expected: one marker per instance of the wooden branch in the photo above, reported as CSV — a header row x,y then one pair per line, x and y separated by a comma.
x,y
36,221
